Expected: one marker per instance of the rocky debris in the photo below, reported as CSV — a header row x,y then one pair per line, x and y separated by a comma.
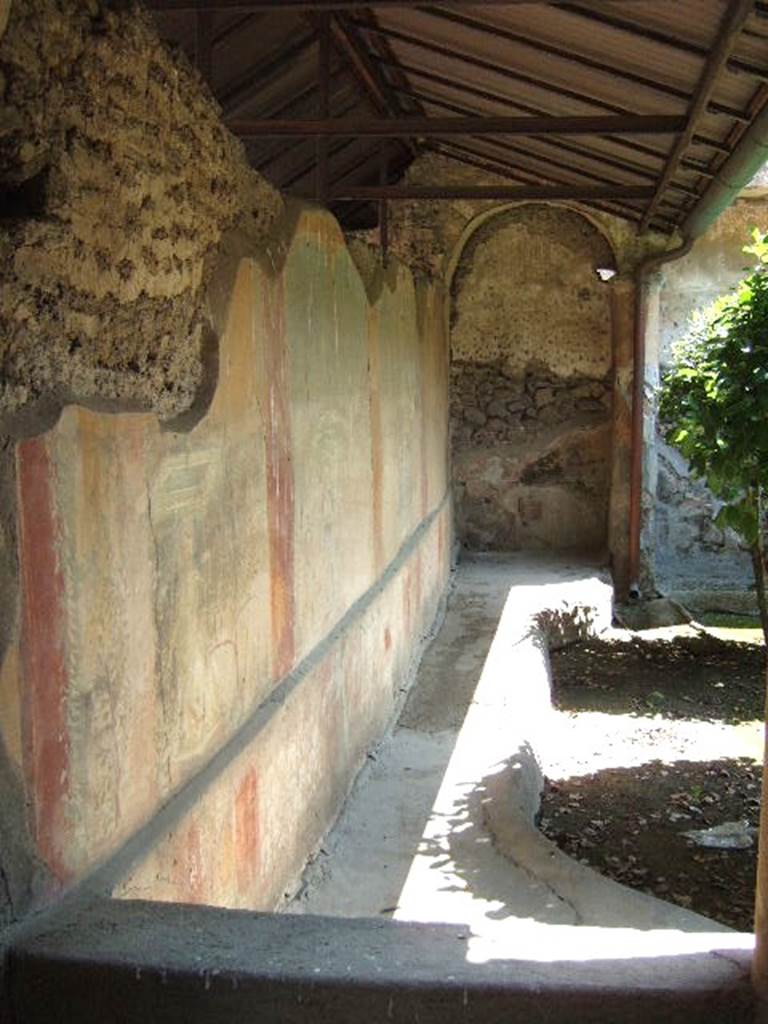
x,y
491,405
730,835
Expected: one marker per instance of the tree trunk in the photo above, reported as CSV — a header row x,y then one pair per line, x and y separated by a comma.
x,y
758,565
760,957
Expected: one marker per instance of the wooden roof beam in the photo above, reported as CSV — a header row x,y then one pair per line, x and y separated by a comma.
x,y
505,192
554,143
518,76
253,6
733,21
504,169
484,94
414,127
499,164
349,44
559,144
243,91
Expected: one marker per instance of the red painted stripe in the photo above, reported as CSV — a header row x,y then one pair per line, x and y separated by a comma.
x,y
189,867
377,450
416,577
428,383
46,742
248,837
280,487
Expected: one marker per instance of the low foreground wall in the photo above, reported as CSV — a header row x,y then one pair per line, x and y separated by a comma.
x,y
217,620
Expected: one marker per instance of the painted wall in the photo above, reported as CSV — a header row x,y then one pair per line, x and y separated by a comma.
x,y
684,549
216,624
224,521
531,383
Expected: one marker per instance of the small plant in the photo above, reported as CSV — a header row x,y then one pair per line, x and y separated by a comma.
x,y
655,700
715,400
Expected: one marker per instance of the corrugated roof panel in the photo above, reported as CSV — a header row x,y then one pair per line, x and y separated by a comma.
x,y
601,90
579,31
266,153
259,47
525,89
694,20
564,59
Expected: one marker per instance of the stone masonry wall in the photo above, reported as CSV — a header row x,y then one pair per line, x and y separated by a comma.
x,y
118,182
425,235
429,236
531,383
688,551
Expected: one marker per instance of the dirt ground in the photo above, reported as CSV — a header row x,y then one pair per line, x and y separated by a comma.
x,y
628,823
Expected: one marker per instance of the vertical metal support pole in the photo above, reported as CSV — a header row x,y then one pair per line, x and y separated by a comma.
x,y
383,212
323,81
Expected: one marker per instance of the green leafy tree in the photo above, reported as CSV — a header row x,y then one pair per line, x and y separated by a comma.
x,y
715,402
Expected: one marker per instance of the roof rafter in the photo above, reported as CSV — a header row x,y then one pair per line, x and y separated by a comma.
x,y
576,192
348,42
691,166
541,103
581,151
455,150
519,76
731,25
250,6
295,146
546,141
382,55
508,147
405,127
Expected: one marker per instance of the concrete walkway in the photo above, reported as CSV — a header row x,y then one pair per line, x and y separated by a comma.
x,y
440,825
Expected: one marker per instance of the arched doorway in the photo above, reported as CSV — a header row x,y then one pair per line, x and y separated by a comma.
x,y
531,382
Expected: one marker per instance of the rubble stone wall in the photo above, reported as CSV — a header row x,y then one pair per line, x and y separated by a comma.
x,y
688,551
118,183
531,365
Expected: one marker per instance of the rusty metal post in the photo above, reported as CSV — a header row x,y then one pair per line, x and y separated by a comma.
x,y
623,327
